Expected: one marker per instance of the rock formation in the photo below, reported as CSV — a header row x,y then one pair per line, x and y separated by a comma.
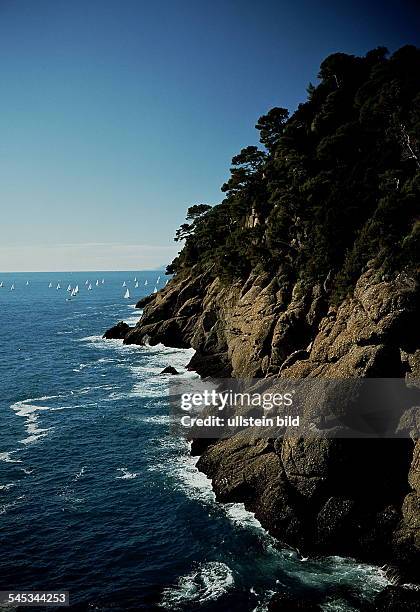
x,y
352,497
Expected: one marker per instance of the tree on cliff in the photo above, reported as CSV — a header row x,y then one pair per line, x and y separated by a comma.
x,y
335,185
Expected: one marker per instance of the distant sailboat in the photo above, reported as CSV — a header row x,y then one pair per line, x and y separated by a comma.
x,y
1,285
145,283
69,288
166,282
158,279
90,287
103,281
97,283
155,290
12,288
136,284
50,285
87,282
124,284
135,279
126,294
27,283
75,290
58,286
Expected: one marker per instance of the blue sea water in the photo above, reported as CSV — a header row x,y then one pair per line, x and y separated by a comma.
x,y
96,496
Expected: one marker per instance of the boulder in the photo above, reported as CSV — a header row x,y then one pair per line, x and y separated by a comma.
x,y
118,332
170,370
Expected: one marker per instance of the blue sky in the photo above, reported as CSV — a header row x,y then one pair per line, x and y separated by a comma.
x,y
118,115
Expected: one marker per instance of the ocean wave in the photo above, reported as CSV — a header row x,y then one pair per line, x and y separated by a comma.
x,y
28,410
6,457
126,474
7,486
207,583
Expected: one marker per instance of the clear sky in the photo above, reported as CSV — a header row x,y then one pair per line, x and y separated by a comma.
x,y
116,115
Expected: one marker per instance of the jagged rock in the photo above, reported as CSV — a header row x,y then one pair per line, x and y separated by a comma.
x,y
118,332
170,370
398,599
353,497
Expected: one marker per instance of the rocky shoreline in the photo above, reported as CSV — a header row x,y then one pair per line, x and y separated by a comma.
x,y
357,498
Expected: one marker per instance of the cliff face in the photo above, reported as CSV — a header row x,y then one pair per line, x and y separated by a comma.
x,y
356,497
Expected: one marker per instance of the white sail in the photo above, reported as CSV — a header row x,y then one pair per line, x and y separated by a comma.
x,y
124,284
167,282
97,283
155,290
73,293
27,283
1,284
90,287
12,288
136,284
126,294
135,279
58,286
50,285
103,281
145,283
76,290
69,288
87,282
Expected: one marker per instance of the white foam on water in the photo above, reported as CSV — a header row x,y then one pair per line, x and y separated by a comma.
x,y
158,419
6,457
7,486
207,583
126,475
29,412
5,507
79,474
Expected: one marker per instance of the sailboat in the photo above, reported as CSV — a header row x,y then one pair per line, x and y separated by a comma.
x,y
69,288
158,279
136,284
166,282
145,283
50,285
75,290
126,294
155,290
103,281
97,283
87,282
90,287
1,285
12,288
124,284
58,286
27,283
135,279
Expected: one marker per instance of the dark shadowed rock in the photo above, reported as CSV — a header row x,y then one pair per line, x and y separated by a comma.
x,y
398,599
170,370
118,332
282,602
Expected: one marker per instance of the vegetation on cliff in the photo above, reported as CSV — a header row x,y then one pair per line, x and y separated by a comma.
x,y
334,185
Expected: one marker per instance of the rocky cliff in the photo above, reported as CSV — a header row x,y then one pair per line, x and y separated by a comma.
x,y
354,497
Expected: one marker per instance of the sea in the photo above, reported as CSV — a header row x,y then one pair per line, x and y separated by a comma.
x,y
97,495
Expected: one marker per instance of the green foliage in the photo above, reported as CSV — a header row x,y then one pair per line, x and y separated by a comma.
x,y
335,185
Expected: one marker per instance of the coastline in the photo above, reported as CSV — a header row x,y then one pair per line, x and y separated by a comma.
x,y
156,325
